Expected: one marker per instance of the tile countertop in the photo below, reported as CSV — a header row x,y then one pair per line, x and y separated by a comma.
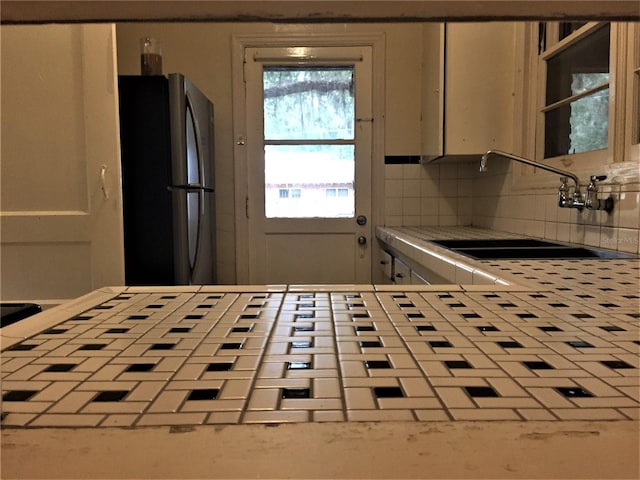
x,y
541,363
415,244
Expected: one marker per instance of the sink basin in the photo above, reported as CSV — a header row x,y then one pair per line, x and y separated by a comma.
x,y
525,248
545,252
496,243
14,312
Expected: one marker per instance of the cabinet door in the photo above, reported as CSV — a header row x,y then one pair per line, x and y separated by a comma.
x,y
386,266
479,87
468,88
418,279
401,272
61,197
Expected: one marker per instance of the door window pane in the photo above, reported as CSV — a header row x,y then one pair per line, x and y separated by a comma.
x,y
309,173
308,103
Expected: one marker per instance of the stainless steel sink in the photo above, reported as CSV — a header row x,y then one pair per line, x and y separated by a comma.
x,y
496,243
525,248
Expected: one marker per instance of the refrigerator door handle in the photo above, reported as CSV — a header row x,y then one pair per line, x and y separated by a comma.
x,y
190,188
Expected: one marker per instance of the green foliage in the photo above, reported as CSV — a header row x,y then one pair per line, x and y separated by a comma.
x,y
304,103
589,115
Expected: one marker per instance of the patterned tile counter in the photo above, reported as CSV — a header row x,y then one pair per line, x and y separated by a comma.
x,y
566,347
532,375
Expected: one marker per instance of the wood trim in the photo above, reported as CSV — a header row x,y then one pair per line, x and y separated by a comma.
x,y
239,45
78,11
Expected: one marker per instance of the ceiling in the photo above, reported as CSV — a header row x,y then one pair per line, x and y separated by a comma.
x,y
61,11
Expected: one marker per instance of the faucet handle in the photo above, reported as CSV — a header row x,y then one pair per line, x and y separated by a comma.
x,y
597,178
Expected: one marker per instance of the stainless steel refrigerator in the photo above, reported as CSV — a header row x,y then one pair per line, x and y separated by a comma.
x,y
168,178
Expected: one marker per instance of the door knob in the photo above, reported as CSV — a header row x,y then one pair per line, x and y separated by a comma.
x,y
362,240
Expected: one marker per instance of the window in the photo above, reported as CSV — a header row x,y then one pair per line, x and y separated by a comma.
x,y
580,98
283,193
309,139
576,106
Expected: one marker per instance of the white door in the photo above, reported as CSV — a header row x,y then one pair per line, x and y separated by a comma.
x,y
61,202
309,144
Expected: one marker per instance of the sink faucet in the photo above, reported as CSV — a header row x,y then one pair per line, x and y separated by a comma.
x,y
565,198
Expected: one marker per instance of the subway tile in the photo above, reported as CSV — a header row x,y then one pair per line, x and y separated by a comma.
x,y
453,398
484,414
236,389
550,398
433,415
212,405
164,419
359,399
288,416
16,419
72,402
328,416
535,414
588,414
264,399
380,415
67,420
145,391
168,401
311,404
55,391
229,417
120,420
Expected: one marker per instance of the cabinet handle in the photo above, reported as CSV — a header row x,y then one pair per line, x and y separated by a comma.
x,y
399,275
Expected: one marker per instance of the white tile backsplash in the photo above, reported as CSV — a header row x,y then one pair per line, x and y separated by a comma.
x,y
456,195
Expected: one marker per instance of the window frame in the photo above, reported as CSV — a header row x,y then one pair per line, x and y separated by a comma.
x,y
632,117
554,46
620,156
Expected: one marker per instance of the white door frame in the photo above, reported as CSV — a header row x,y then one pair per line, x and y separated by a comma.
x,y
239,44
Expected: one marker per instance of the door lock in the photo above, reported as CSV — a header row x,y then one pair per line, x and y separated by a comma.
x,y
362,240
361,220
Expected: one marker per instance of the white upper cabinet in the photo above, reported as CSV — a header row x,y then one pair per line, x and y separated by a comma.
x,y
468,89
